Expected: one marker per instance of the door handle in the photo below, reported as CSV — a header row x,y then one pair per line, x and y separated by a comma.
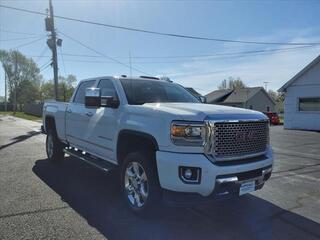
x,y
69,111
89,114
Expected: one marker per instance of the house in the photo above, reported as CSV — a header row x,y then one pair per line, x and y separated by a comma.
x,y
302,98
255,98
218,95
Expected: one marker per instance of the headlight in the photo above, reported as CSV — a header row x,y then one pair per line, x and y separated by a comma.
x,y
188,133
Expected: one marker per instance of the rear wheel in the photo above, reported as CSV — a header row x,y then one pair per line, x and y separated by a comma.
x,y
139,182
54,147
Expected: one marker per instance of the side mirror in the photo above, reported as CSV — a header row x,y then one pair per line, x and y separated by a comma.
x,y
92,97
109,101
202,99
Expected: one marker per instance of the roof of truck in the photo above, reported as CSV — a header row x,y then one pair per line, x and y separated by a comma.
x,y
130,78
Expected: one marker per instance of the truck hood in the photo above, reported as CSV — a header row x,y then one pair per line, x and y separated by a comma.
x,y
200,111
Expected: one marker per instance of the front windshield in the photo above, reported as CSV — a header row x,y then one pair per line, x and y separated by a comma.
x,y
149,91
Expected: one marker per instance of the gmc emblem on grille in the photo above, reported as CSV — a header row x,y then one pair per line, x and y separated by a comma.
x,y
245,136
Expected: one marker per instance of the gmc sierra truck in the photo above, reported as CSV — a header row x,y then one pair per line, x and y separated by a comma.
x,y
166,143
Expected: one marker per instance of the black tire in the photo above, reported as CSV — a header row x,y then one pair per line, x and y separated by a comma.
x,y
153,201
57,153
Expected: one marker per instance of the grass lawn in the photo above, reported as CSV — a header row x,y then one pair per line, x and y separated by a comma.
x,y
21,115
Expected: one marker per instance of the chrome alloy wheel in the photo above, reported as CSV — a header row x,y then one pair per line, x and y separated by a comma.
x,y
50,145
136,184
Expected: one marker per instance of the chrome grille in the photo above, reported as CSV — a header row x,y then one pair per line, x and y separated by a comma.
x,y
239,139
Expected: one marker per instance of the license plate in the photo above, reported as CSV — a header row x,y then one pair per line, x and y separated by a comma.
x,y
247,187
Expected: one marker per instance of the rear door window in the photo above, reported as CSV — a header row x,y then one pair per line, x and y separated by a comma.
x,y
107,88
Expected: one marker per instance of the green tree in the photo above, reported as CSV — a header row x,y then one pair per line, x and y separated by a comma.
x,y
23,77
65,88
232,83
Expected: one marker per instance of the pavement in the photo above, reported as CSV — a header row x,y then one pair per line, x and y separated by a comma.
x,y
72,200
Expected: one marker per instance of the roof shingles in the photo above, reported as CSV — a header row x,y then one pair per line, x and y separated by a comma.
x,y
241,95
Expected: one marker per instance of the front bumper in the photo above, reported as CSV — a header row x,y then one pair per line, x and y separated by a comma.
x,y
215,179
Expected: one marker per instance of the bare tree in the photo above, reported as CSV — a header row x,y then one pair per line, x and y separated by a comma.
x,y
232,83
278,98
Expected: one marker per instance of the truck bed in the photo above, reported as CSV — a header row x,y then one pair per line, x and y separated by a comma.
x,y
58,111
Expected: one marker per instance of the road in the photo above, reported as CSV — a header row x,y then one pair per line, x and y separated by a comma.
x,y
41,200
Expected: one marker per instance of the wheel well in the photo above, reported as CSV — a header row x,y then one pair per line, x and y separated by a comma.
x,y
129,141
50,123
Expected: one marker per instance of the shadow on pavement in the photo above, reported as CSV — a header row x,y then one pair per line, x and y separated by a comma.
x,y
96,197
20,138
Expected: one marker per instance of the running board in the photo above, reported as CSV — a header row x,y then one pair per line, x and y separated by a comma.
x,y
96,162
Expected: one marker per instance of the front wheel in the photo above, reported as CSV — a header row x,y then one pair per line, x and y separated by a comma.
x,y
54,147
139,182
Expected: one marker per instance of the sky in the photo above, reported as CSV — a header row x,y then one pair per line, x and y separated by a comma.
x,y
267,21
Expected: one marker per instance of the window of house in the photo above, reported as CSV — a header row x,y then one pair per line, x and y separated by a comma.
x,y
309,104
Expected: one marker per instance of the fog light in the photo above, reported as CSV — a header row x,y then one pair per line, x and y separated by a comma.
x,y
190,175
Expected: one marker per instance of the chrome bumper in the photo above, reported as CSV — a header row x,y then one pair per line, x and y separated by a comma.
x,y
226,187
230,184
235,179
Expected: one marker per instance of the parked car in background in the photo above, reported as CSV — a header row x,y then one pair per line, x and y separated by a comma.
x,y
273,117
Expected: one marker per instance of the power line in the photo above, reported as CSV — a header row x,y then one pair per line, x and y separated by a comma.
x,y
102,54
16,39
229,53
28,43
199,55
45,49
45,65
160,33
212,57
255,52
23,33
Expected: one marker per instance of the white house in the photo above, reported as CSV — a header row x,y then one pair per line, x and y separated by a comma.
x,y
302,98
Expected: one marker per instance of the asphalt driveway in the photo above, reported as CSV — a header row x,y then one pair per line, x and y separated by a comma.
x,y
73,200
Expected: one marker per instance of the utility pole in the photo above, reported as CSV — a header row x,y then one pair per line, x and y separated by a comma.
x,y
52,43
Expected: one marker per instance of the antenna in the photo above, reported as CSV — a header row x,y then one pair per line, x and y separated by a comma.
x,y
130,63
266,86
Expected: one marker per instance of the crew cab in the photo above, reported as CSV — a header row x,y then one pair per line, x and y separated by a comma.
x,y
167,145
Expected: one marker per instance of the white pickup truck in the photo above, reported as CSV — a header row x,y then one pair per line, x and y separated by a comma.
x,y
165,142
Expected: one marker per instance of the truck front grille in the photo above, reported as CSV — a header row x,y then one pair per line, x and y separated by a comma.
x,y
240,139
